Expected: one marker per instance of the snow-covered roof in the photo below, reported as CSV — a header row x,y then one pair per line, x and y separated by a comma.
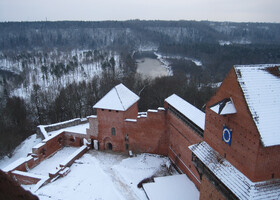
x,y
261,88
171,187
232,178
188,110
119,98
224,107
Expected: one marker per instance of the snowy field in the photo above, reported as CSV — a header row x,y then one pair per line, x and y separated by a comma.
x,y
97,175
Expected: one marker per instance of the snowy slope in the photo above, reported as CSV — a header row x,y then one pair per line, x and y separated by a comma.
x,y
21,151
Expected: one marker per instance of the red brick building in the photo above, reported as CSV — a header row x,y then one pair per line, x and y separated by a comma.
x,y
166,131
240,155
230,152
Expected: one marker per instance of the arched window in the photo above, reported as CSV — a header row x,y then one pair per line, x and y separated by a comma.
x,y
113,131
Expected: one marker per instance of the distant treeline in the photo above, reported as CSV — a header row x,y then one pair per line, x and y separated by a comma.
x,y
78,34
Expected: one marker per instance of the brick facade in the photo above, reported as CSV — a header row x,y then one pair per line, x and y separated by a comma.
x,y
180,137
156,131
208,191
111,130
246,152
148,134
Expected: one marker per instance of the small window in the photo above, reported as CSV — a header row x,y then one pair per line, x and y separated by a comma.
x,y
117,111
126,146
113,131
110,110
60,140
272,176
43,152
126,137
102,109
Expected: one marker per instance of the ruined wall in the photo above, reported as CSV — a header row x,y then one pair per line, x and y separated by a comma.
x,y
49,146
73,139
60,125
92,131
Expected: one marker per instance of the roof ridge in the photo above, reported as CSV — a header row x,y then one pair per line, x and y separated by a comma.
x,y
119,96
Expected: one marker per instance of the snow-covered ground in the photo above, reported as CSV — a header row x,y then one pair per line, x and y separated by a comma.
x,y
55,69
104,175
52,163
21,151
162,59
96,175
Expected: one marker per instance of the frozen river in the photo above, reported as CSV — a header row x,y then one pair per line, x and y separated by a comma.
x,y
151,68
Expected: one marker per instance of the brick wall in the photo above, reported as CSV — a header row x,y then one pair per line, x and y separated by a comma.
x,y
108,119
246,152
180,137
25,180
51,146
92,131
208,191
148,134
73,139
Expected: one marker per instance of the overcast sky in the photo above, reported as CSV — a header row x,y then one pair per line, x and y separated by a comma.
x,y
95,10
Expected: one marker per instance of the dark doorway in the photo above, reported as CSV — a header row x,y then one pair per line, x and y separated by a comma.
x,y
109,146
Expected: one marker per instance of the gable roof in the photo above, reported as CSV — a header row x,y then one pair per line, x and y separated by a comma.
x,y
261,88
187,109
118,98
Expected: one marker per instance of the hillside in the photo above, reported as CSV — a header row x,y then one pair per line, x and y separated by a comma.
x,y
55,71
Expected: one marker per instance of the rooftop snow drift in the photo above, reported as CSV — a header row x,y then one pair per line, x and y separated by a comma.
x,y
191,112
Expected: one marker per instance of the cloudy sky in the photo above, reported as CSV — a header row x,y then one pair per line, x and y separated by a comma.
x,y
95,10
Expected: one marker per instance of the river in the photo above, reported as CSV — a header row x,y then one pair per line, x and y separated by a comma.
x,y
151,68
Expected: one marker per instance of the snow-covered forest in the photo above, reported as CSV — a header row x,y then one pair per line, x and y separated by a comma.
x,y
55,71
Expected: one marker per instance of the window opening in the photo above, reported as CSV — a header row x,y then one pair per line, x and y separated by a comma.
x,y
113,131
126,137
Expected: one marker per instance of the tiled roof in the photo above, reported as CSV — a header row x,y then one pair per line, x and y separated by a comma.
x,y
187,109
232,178
119,98
261,88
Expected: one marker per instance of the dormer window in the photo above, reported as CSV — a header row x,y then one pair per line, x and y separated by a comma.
x,y
224,107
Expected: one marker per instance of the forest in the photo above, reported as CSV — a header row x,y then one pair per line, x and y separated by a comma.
x,y
56,71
